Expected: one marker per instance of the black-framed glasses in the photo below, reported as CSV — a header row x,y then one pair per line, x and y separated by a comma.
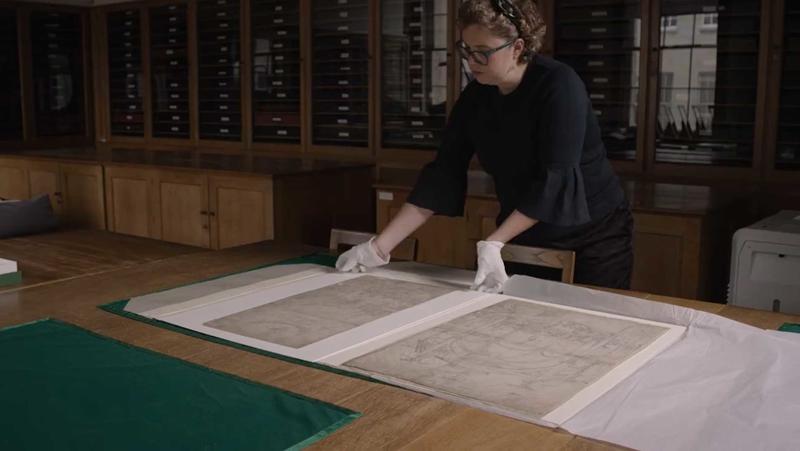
x,y
479,56
508,9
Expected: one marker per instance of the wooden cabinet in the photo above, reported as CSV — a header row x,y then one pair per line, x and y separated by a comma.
x,y
189,207
75,189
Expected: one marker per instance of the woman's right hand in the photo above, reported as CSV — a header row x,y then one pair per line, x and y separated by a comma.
x,y
361,257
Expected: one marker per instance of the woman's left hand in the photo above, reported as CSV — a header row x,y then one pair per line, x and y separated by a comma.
x,y
491,275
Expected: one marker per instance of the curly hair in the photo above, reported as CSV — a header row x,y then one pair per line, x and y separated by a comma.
x,y
531,23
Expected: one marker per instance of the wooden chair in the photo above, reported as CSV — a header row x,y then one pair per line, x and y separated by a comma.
x,y
406,250
539,256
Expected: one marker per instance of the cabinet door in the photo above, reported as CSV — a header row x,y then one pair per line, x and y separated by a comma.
x,y
44,177
431,247
708,55
131,201
125,75
276,70
787,152
601,41
169,71
219,60
82,189
183,201
413,73
667,255
241,210
57,48
11,106
13,179
340,72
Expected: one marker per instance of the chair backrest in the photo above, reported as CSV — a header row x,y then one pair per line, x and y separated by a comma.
x,y
406,250
540,256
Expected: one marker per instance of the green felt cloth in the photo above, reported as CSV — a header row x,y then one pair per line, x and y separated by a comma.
x,y
63,387
10,278
790,327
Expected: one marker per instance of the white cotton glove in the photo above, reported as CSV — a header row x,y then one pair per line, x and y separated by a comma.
x,y
491,274
360,257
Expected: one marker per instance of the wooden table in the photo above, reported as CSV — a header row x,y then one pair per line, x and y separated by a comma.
x,y
66,254
392,417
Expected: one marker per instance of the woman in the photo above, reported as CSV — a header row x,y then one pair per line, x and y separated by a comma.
x,y
529,120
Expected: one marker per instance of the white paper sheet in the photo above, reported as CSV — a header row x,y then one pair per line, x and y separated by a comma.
x,y
7,266
559,360
198,317
724,386
223,299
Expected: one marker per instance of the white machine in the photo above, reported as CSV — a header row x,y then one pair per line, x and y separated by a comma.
x,y
765,264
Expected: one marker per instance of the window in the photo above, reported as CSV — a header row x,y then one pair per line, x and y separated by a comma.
x,y
707,81
669,23
665,85
710,21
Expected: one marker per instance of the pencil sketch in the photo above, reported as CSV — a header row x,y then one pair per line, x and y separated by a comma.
x,y
517,355
306,318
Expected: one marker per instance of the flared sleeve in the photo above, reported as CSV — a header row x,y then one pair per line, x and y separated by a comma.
x,y
557,194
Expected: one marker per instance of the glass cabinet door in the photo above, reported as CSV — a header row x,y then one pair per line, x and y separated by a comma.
x,y
340,72
218,42
707,81
414,73
125,73
276,70
169,71
601,40
11,106
787,152
57,50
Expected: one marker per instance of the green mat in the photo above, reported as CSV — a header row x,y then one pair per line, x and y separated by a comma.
x,y
63,387
11,278
790,327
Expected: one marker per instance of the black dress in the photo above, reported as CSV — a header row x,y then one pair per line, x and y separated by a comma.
x,y
542,146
